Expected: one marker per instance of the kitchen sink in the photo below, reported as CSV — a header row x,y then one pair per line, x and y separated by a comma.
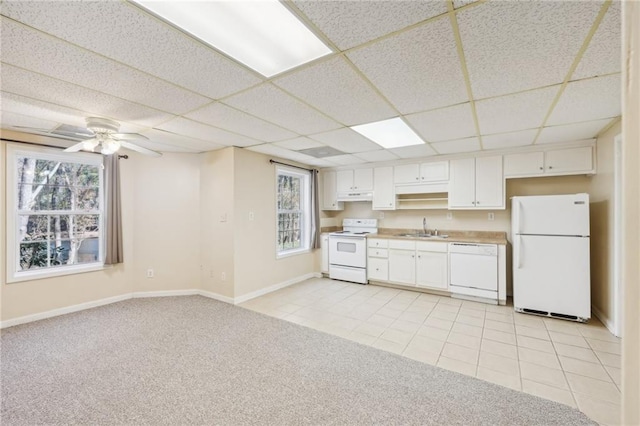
x,y
420,235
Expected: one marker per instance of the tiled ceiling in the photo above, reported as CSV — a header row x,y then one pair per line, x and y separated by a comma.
x,y
465,75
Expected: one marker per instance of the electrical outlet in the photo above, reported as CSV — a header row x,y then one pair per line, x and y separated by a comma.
x,y
150,273
381,215
449,215
223,276
251,216
223,217
491,216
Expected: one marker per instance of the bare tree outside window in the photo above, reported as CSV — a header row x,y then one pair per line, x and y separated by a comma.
x,y
292,210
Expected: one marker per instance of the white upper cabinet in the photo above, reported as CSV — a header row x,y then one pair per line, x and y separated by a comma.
x,y
565,161
355,180
330,192
420,173
384,197
476,183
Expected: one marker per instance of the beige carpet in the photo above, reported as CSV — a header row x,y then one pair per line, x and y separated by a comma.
x,y
192,360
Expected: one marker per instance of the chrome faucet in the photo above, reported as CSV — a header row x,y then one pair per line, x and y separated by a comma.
x,y
424,225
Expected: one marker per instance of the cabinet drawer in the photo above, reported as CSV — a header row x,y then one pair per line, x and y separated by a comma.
x,y
432,246
376,242
376,252
378,269
402,244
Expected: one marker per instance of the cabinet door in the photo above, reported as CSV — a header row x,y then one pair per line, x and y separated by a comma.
x,y
384,197
344,180
329,192
462,183
489,182
324,244
378,269
569,160
527,164
433,172
406,173
402,266
432,270
363,179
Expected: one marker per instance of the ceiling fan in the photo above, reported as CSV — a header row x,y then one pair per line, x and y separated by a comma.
x,y
100,133
106,136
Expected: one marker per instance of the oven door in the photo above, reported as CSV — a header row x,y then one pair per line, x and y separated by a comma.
x,y
348,251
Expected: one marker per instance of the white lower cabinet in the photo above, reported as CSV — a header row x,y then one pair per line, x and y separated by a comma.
x,y
378,269
432,265
402,266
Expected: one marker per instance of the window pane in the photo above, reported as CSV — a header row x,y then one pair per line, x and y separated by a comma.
x,y
34,227
33,256
75,226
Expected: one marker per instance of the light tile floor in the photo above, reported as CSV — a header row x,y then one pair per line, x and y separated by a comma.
x,y
571,363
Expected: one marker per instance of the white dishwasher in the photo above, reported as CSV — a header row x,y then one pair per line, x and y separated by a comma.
x,y
473,270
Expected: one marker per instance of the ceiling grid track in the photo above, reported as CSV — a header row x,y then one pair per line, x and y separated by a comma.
x,y
463,67
574,65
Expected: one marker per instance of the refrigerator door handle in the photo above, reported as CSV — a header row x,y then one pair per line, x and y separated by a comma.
x,y
519,208
519,252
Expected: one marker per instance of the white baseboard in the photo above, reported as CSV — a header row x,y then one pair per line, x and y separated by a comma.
x,y
604,319
62,311
278,286
165,293
216,296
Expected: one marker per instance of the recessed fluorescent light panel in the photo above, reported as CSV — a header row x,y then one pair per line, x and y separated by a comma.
x,y
392,133
262,34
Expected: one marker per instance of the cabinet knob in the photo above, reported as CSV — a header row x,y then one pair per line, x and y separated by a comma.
x,y
389,203
417,178
541,168
377,269
550,167
477,202
422,177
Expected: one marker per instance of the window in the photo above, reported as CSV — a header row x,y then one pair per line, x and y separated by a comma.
x,y
293,211
55,219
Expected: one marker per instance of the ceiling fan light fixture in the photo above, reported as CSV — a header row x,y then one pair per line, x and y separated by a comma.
x,y
109,146
90,145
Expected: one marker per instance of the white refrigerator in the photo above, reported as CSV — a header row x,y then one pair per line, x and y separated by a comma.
x,y
551,266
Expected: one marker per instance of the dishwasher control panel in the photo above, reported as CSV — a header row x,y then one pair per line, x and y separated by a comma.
x,y
473,248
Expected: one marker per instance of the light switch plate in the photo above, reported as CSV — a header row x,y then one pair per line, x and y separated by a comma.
x,y
449,215
491,216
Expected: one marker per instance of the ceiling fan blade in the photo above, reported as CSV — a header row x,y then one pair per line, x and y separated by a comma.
x,y
128,136
55,133
139,149
77,147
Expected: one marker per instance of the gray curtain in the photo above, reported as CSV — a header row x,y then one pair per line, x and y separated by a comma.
x,y
113,217
315,211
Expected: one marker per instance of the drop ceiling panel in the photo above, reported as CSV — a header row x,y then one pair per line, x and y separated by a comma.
x,y
416,70
297,144
346,140
603,54
459,3
587,100
521,111
509,140
457,146
414,151
183,126
379,155
272,104
123,32
572,132
276,151
44,110
512,46
28,49
443,124
225,117
350,23
179,142
334,87
37,86
345,160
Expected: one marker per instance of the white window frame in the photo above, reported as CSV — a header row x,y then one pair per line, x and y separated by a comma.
x,y
14,274
305,188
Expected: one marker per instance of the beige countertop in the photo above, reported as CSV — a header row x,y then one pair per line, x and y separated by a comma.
x,y
480,237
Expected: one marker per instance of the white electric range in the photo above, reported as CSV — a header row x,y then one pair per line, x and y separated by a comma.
x,y
348,250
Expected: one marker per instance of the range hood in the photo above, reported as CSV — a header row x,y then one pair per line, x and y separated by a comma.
x,y
355,196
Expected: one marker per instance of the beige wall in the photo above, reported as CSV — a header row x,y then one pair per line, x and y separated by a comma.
x,y
602,201
166,231
216,235
256,266
631,214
